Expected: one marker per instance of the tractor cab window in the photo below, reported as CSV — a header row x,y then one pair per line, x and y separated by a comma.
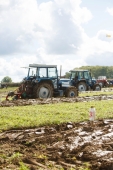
x,y
74,75
52,72
81,76
86,75
32,71
42,72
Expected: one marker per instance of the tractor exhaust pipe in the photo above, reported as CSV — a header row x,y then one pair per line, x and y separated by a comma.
x,y
60,70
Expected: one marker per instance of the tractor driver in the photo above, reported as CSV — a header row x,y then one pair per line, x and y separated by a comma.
x,y
75,79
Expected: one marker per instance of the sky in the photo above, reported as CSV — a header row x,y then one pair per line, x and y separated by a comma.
x,y
71,33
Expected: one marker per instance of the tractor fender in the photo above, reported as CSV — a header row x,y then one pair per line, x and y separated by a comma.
x,y
46,81
79,81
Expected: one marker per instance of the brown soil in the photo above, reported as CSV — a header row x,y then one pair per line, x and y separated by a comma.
x,y
68,146
24,102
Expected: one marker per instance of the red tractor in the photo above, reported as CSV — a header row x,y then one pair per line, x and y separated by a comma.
x,y
102,80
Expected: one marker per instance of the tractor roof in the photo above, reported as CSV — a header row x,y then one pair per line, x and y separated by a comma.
x,y
42,65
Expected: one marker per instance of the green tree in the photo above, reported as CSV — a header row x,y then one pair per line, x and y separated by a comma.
x,y
97,71
67,74
6,80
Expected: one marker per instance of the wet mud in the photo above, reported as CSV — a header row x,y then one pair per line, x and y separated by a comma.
x,y
68,146
24,102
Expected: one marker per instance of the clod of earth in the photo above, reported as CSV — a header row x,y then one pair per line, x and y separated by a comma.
x,y
68,146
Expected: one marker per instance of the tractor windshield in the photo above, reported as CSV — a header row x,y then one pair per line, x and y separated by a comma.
x,y
87,75
74,75
52,72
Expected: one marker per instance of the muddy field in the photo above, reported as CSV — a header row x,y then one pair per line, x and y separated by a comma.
x,y
67,146
24,102
86,98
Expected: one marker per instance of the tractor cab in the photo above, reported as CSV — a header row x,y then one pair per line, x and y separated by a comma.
x,y
38,73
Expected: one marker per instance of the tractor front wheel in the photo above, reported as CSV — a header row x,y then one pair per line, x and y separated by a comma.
x,y
43,90
97,87
71,92
82,86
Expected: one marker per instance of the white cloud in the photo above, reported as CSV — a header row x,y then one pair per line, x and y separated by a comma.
x,y
4,3
94,50
110,11
49,32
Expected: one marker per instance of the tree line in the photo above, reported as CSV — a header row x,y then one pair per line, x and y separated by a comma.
x,y
97,71
7,82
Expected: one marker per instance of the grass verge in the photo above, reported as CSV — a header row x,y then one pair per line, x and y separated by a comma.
x,y
40,115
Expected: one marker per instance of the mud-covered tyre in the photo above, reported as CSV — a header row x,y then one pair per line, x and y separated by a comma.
x,y
82,86
97,87
71,92
43,90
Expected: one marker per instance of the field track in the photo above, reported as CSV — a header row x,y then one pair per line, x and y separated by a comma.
x,y
24,102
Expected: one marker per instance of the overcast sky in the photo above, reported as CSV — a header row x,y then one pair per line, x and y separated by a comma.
x,y
71,33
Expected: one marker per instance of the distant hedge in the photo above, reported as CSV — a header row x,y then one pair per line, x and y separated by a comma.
x,y
11,84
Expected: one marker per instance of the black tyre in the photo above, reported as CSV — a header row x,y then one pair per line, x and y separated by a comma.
x,y
43,90
71,92
82,86
101,84
97,87
106,85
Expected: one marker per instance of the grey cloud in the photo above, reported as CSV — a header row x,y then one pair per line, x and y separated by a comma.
x,y
105,59
64,38
17,43
15,37
8,42
42,1
65,35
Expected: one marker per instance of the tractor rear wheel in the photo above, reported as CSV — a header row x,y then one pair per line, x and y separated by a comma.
x,y
43,90
82,86
71,92
97,87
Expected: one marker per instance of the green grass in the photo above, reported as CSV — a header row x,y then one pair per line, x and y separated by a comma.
x,y
4,90
91,93
39,115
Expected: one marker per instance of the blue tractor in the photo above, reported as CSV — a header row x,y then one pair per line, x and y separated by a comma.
x,y
42,82
83,80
